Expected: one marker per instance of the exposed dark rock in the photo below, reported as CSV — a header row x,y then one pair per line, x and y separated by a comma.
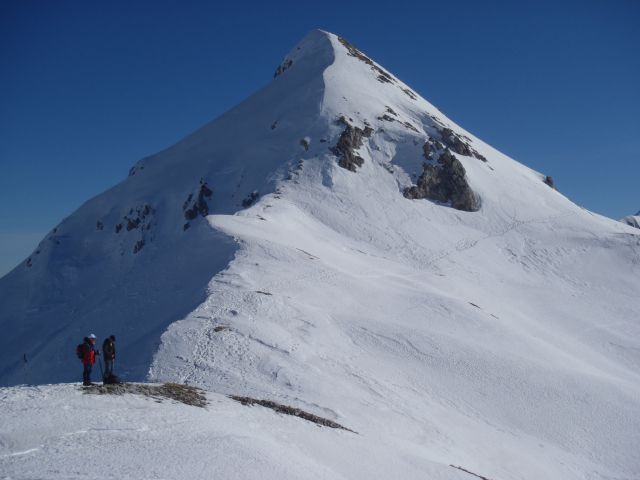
x,y
430,148
350,140
132,223
383,76
221,328
305,144
186,203
135,170
191,213
411,127
274,125
387,118
325,422
174,391
137,218
409,93
99,225
251,198
454,142
186,226
282,67
549,181
444,182
138,246
391,111
632,220
457,145
29,263
199,206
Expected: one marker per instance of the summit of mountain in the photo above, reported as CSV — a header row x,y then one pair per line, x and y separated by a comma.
x,y
336,243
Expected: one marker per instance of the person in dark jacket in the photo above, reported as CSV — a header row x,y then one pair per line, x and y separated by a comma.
x,y
88,358
109,355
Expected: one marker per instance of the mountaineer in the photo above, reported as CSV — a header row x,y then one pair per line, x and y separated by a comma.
x,y
109,356
87,352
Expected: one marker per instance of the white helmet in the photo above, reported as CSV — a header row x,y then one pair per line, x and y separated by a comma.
x,y
92,336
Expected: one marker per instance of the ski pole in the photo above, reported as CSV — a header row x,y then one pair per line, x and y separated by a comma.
x,y
101,370
24,357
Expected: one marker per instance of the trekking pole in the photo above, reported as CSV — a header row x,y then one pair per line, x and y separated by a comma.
x,y
25,369
101,370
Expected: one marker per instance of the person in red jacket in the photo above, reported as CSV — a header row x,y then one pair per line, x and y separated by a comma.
x,y
89,353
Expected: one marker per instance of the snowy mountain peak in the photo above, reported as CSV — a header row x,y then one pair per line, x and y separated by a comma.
x,y
315,47
334,242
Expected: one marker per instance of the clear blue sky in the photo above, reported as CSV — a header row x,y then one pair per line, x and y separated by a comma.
x,y
88,88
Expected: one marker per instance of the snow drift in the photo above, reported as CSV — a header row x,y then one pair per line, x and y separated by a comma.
x,y
336,243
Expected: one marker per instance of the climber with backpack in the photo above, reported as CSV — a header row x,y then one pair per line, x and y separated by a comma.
x,y
87,352
109,356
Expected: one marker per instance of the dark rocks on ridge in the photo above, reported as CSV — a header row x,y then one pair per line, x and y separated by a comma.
x,y
281,68
444,181
457,145
549,181
350,140
198,206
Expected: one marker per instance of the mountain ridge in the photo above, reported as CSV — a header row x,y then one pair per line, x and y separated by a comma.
x,y
502,331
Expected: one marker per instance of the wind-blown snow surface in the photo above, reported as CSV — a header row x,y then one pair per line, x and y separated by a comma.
x,y
506,340
71,435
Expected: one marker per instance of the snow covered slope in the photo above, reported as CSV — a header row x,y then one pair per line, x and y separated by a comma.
x,y
390,271
68,434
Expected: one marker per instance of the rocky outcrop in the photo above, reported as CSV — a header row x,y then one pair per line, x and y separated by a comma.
x,y
187,394
251,199
457,145
443,181
198,206
409,93
382,75
139,218
632,220
549,181
135,169
282,67
350,140
139,245
287,410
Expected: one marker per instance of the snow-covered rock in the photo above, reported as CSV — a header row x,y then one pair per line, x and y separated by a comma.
x,y
485,321
633,220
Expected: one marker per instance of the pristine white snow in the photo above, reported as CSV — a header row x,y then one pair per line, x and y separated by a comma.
x,y
505,341
68,434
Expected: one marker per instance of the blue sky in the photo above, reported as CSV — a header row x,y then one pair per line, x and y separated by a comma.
x,y
88,88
